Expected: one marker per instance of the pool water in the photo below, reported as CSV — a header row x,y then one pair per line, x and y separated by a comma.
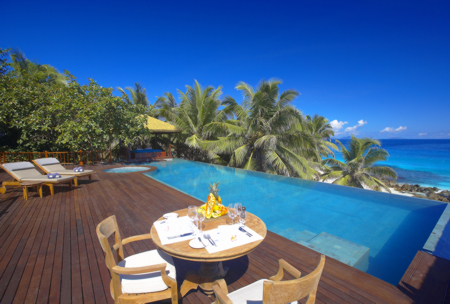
x,y
392,227
126,169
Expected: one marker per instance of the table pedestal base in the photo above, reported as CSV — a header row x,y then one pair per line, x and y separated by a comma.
x,y
203,278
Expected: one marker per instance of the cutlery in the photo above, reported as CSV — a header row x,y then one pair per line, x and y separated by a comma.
x,y
181,235
243,230
200,239
208,237
162,222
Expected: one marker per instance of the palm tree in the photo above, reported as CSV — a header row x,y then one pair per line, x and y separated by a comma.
x,y
165,105
198,108
359,169
22,67
265,133
320,132
138,94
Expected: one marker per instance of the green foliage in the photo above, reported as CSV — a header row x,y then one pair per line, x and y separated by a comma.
x,y
3,61
265,133
359,169
41,109
24,68
198,109
138,94
57,116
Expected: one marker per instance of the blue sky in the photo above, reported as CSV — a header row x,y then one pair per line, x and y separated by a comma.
x,y
367,66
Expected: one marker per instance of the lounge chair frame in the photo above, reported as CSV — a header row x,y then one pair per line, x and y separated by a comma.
x,y
50,183
75,181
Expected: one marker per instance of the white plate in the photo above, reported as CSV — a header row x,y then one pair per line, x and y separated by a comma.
x,y
167,215
195,243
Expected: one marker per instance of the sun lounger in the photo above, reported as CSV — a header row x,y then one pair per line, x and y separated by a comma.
x,y
52,165
26,172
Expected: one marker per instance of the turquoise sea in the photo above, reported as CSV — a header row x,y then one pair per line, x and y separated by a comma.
x,y
417,161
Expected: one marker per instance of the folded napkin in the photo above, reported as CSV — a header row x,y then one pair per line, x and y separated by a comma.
x,y
75,169
80,169
50,175
56,175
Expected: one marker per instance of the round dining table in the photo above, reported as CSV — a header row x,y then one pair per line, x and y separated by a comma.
x,y
211,267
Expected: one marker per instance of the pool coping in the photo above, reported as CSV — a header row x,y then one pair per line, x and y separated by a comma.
x,y
150,169
437,233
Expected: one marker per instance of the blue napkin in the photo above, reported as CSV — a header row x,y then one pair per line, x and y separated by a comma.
x,y
80,169
75,169
50,176
57,175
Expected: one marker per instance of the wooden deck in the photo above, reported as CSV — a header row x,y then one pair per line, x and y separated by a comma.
x,y
49,251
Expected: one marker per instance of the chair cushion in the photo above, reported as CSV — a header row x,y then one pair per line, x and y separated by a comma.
x,y
46,161
18,166
250,294
149,282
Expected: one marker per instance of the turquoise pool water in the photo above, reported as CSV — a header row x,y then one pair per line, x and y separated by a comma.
x,y
126,169
393,227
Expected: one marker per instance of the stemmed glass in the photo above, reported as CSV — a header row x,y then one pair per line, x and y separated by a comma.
x,y
232,212
238,207
243,217
192,214
201,218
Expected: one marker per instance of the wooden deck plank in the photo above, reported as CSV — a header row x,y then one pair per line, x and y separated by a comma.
x,y
426,278
49,251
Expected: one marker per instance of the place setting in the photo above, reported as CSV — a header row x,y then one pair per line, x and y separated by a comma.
x,y
233,233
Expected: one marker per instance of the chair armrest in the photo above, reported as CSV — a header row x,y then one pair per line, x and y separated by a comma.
x,y
221,292
140,270
289,268
133,239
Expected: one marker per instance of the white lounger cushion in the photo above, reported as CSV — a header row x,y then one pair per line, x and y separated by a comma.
x,y
18,166
44,179
53,165
47,161
61,170
250,294
149,282
26,171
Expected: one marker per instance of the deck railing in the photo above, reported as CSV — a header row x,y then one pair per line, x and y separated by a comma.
x,y
66,157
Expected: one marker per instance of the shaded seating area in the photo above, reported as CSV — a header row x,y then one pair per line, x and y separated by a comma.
x,y
157,127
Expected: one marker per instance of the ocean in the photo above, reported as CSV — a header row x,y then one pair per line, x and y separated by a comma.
x,y
417,161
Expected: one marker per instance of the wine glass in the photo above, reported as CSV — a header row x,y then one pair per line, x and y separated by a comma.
x,y
201,218
192,214
232,212
238,207
243,217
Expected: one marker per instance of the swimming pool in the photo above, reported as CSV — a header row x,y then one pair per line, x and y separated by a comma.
x,y
392,227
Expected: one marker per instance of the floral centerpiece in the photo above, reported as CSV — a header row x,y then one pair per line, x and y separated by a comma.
x,y
213,207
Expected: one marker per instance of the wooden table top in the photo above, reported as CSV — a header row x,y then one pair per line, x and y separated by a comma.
x,y
183,251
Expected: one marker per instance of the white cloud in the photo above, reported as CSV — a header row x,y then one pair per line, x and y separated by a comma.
x,y
337,125
389,129
353,129
422,134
